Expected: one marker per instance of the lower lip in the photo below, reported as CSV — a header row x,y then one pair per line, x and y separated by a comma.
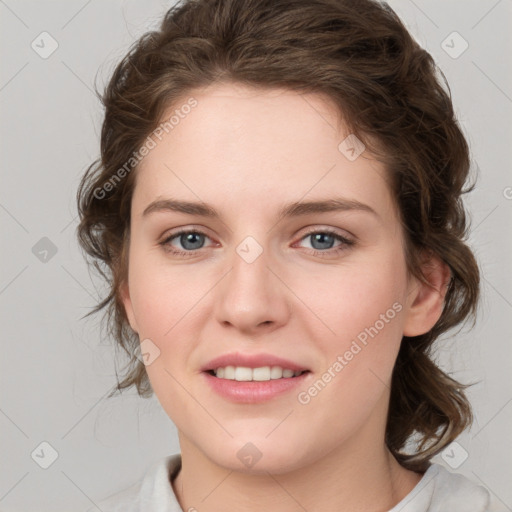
x,y
253,391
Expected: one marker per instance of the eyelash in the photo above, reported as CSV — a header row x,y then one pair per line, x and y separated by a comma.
x,y
346,243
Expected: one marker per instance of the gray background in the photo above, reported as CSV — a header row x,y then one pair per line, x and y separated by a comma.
x,y
56,369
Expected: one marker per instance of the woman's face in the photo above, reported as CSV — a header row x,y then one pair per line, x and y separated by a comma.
x,y
319,289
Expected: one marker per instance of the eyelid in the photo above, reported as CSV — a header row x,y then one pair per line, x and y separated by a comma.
x,y
199,229
346,242
315,228
169,235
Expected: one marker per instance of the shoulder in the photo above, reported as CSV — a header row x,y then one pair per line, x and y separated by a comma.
x,y
151,493
455,492
440,490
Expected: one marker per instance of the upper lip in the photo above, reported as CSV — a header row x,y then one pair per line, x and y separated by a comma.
x,y
251,361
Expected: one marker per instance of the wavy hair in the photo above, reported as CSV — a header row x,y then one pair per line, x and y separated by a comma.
x,y
387,90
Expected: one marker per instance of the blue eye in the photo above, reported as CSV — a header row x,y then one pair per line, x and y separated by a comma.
x,y
322,241
192,241
189,239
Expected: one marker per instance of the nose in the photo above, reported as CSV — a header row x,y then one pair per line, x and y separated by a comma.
x,y
253,296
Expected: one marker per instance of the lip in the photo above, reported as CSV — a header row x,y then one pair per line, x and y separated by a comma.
x,y
251,361
252,391
249,392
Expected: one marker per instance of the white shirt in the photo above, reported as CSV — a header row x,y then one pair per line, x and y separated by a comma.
x,y
439,490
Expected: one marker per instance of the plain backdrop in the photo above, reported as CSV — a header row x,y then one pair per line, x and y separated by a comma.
x,y
56,368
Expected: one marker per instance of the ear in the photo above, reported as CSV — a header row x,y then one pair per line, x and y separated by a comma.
x,y
127,303
426,301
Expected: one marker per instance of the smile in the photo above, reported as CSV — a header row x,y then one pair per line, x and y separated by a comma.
x,y
260,374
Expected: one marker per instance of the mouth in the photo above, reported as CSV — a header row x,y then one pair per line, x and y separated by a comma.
x,y
254,378
245,385
259,374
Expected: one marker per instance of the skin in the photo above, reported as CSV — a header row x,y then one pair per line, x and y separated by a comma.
x,y
247,152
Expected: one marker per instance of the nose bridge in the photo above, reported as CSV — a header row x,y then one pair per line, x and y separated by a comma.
x,y
251,294
249,278
250,265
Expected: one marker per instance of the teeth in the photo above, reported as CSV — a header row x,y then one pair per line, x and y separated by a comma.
x,y
263,373
242,373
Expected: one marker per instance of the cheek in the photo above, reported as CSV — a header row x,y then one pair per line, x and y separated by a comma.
x,y
166,302
363,312
159,296
351,300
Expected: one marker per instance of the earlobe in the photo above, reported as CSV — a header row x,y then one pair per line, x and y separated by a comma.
x,y
427,300
127,303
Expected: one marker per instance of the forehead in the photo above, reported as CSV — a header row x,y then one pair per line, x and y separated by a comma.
x,y
243,147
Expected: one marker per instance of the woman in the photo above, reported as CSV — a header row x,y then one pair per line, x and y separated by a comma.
x,y
277,209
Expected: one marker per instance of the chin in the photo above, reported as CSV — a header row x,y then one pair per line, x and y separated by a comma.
x,y
258,456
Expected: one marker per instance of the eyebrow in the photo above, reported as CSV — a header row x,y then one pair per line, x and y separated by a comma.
x,y
294,209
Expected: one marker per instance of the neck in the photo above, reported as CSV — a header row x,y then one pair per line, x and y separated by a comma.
x,y
364,477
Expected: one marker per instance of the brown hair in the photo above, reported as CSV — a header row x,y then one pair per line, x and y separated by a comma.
x,y
385,88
